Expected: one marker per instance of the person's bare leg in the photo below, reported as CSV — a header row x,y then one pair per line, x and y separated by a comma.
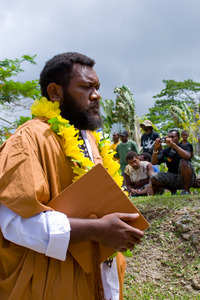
x,y
186,173
158,185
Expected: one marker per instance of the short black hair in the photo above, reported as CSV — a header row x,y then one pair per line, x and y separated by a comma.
x,y
175,130
184,131
147,156
131,155
59,68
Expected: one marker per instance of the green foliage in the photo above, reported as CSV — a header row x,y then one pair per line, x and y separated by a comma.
x,y
121,112
10,90
163,167
187,119
174,94
182,114
109,119
13,92
196,164
187,90
125,107
4,134
160,115
21,120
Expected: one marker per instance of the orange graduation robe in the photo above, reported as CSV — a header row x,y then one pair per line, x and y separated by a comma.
x,y
33,170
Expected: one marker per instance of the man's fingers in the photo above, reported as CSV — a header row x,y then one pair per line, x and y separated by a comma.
x,y
128,217
138,234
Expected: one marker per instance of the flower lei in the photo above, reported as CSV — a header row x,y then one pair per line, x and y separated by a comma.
x,y
50,110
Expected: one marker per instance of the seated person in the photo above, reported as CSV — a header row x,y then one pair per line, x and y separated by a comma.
x,y
145,156
137,175
180,173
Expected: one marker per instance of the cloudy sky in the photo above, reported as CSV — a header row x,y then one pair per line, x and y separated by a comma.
x,y
137,43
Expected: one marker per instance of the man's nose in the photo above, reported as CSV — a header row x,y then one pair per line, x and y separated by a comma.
x,y
95,95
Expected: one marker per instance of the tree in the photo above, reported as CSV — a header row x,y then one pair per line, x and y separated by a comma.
x,y
121,113
109,117
187,90
187,119
125,111
12,93
173,93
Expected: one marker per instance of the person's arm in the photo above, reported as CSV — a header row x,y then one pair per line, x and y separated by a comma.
x,y
184,154
148,190
157,147
110,230
150,170
47,232
128,184
191,150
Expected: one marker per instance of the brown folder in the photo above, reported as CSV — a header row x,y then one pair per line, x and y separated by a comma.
x,y
95,193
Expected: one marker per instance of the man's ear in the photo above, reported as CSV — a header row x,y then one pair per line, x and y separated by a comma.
x,y
55,92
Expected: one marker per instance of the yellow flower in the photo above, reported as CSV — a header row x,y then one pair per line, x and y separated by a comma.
x,y
98,136
45,108
79,171
62,120
118,179
50,110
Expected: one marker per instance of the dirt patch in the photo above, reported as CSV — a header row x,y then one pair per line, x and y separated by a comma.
x,y
169,256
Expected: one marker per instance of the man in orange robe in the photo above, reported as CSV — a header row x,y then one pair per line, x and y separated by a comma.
x,y
34,261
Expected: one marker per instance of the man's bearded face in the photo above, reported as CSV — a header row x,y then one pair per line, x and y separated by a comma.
x,y
80,117
80,103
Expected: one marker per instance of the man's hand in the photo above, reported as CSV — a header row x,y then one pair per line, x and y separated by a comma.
x,y
117,234
169,142
157,144
111,230
134,191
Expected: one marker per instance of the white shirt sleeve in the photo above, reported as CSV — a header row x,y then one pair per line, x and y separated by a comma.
x,y
47,232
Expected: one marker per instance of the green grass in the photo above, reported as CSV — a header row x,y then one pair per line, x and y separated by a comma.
x,y
165,265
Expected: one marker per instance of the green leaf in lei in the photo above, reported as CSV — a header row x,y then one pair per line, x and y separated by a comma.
x,y
54,124
126,254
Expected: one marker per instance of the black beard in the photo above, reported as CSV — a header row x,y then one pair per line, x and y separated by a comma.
x,y
81,119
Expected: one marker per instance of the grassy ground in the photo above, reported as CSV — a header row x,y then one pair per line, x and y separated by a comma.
x,y
166,265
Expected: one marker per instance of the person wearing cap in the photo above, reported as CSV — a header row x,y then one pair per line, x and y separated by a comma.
x,y
123,148
149,137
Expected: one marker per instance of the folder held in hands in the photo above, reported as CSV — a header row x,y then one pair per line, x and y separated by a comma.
x,y
94,194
